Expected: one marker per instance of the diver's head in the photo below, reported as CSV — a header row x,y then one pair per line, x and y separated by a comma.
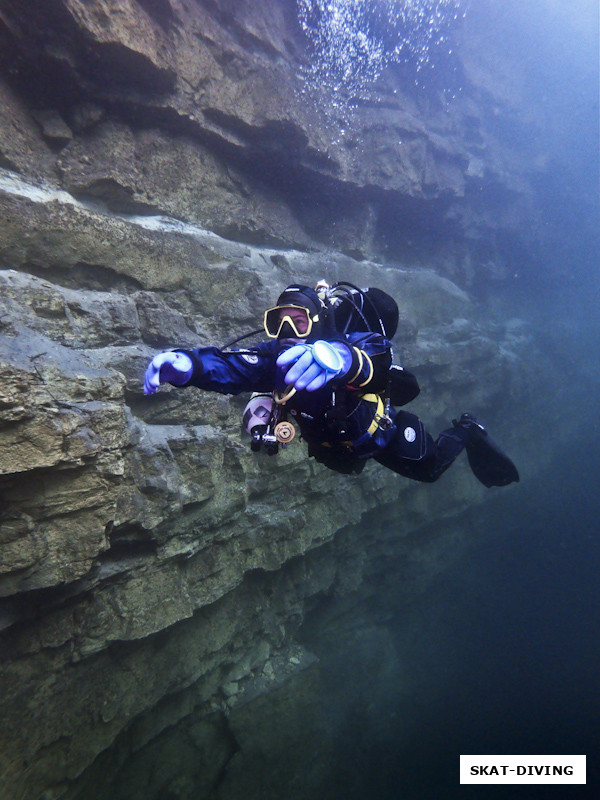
x,y
299,316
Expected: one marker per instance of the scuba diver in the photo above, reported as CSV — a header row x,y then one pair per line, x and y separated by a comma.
x,y
327,368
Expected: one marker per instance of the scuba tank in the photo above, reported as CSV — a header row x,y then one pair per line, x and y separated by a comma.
x,y
368,310
373,311
264,419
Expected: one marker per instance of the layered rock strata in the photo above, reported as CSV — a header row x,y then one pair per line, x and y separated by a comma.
x,y
195,109
142,540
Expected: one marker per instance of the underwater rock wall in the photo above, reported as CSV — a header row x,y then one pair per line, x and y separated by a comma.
x,y
161,179
140,535
195,109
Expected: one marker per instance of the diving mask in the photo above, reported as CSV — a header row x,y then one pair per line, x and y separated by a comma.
x,y
297,318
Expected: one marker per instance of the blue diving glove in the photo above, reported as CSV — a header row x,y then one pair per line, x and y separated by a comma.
x,y
171,367
314,365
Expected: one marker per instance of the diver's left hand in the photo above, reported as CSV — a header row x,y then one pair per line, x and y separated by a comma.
x,y
314,365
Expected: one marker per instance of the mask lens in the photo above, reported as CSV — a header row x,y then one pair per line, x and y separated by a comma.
x,y
297,317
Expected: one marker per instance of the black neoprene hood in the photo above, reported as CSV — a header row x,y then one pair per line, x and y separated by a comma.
x,y
297,295
304,296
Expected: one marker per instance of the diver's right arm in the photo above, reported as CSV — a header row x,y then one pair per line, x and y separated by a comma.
x,y
227,372
171,367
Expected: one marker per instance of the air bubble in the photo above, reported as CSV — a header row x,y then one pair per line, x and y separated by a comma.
x,y
352,41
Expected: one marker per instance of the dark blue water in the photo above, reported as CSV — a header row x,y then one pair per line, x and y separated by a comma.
x,y
503,655
508,654
499,656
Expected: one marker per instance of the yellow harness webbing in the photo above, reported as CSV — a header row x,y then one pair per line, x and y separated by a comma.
x,y
379,411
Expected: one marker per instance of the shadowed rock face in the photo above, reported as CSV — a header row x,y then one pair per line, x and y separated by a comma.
x,y
194,109
164,591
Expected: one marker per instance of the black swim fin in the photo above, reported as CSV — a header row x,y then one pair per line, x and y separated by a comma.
x,y
489,464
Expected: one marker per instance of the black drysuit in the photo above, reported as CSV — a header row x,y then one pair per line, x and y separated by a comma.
x,y
343,423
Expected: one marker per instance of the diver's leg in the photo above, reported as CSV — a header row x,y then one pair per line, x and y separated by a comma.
x,y
490,465
437,457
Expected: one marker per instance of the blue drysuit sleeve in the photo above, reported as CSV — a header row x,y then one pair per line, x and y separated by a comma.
x,y
235,371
